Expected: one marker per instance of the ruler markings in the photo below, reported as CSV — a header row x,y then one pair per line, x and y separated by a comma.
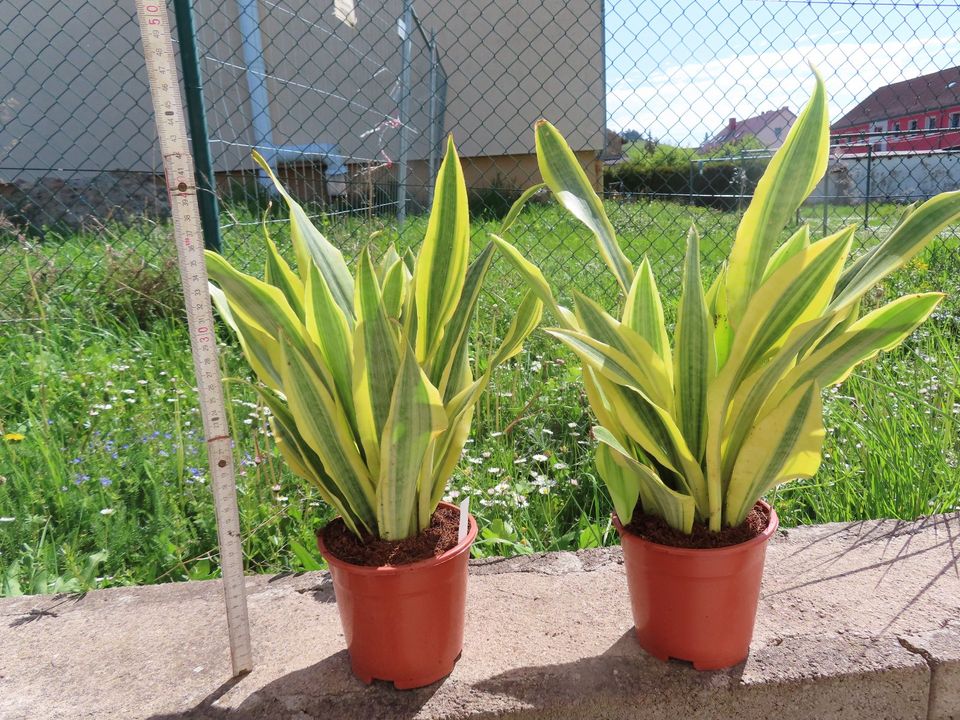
x,y
179,172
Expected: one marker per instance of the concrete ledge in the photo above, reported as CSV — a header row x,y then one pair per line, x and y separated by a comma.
x,y
856,620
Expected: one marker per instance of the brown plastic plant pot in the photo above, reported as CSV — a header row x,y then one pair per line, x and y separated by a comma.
x,y
403,623
695,605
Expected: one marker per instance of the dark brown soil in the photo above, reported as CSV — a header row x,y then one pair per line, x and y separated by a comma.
x,y
440,536
655,529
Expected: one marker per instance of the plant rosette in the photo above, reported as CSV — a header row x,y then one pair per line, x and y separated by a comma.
x,y
403,623
697,430
371,385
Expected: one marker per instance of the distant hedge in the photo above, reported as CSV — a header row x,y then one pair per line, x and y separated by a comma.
x,y
715,184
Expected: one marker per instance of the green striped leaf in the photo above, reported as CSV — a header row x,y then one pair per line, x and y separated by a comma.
x,y
459,408
442,261
648,371
389,259
614,364
782,446
325,429
851,271
330,332
848,316
797,292
601,405
451,360
693,356
376,362
309,243
648,424
524,322
261,351
794,171
568,182
518,206
800,240
416,418
754,392
259,348
716,299
263,305
643,313
448,450
279,274
394,281
305,463
628,480
536,281
883,329
910,236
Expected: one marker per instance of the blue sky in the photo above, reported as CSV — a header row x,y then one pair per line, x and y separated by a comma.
x,y
680,68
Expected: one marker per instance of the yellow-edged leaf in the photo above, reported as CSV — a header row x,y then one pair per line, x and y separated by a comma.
x,y
877,331
376,362
693,355
308,243
325,428
442,262
451,360
329,330
306,463
797,292
519,205
753,393
643,313
628,480
911,235
416,418
536,282
782,446
796,242
568,182
279,274
260,349
791,176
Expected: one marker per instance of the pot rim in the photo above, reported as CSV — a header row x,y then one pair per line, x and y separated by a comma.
x,y
387,570
772,525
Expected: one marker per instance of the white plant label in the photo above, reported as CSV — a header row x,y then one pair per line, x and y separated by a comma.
x,y
464,519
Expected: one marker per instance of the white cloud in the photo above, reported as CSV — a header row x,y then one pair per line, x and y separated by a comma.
x,y
682,103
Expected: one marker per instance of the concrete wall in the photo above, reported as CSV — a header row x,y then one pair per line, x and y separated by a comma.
x,y
857,621
511,63
73,93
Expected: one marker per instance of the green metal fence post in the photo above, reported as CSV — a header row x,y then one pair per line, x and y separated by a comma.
x,y
197,118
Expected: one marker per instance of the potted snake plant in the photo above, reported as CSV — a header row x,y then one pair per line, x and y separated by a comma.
x,y
692,434
371,390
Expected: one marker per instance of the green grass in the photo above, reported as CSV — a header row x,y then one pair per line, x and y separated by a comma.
x,y
108,484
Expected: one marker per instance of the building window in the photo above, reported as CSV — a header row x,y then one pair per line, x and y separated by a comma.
x,y
932,122
896,127
955,120
913,124
777,132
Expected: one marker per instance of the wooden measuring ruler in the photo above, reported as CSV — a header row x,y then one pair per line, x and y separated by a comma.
x,y
181,187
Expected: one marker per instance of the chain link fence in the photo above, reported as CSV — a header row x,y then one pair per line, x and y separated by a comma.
x,y
673,108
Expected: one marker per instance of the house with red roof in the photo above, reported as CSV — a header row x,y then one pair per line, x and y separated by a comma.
x,y
769,128
920,114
